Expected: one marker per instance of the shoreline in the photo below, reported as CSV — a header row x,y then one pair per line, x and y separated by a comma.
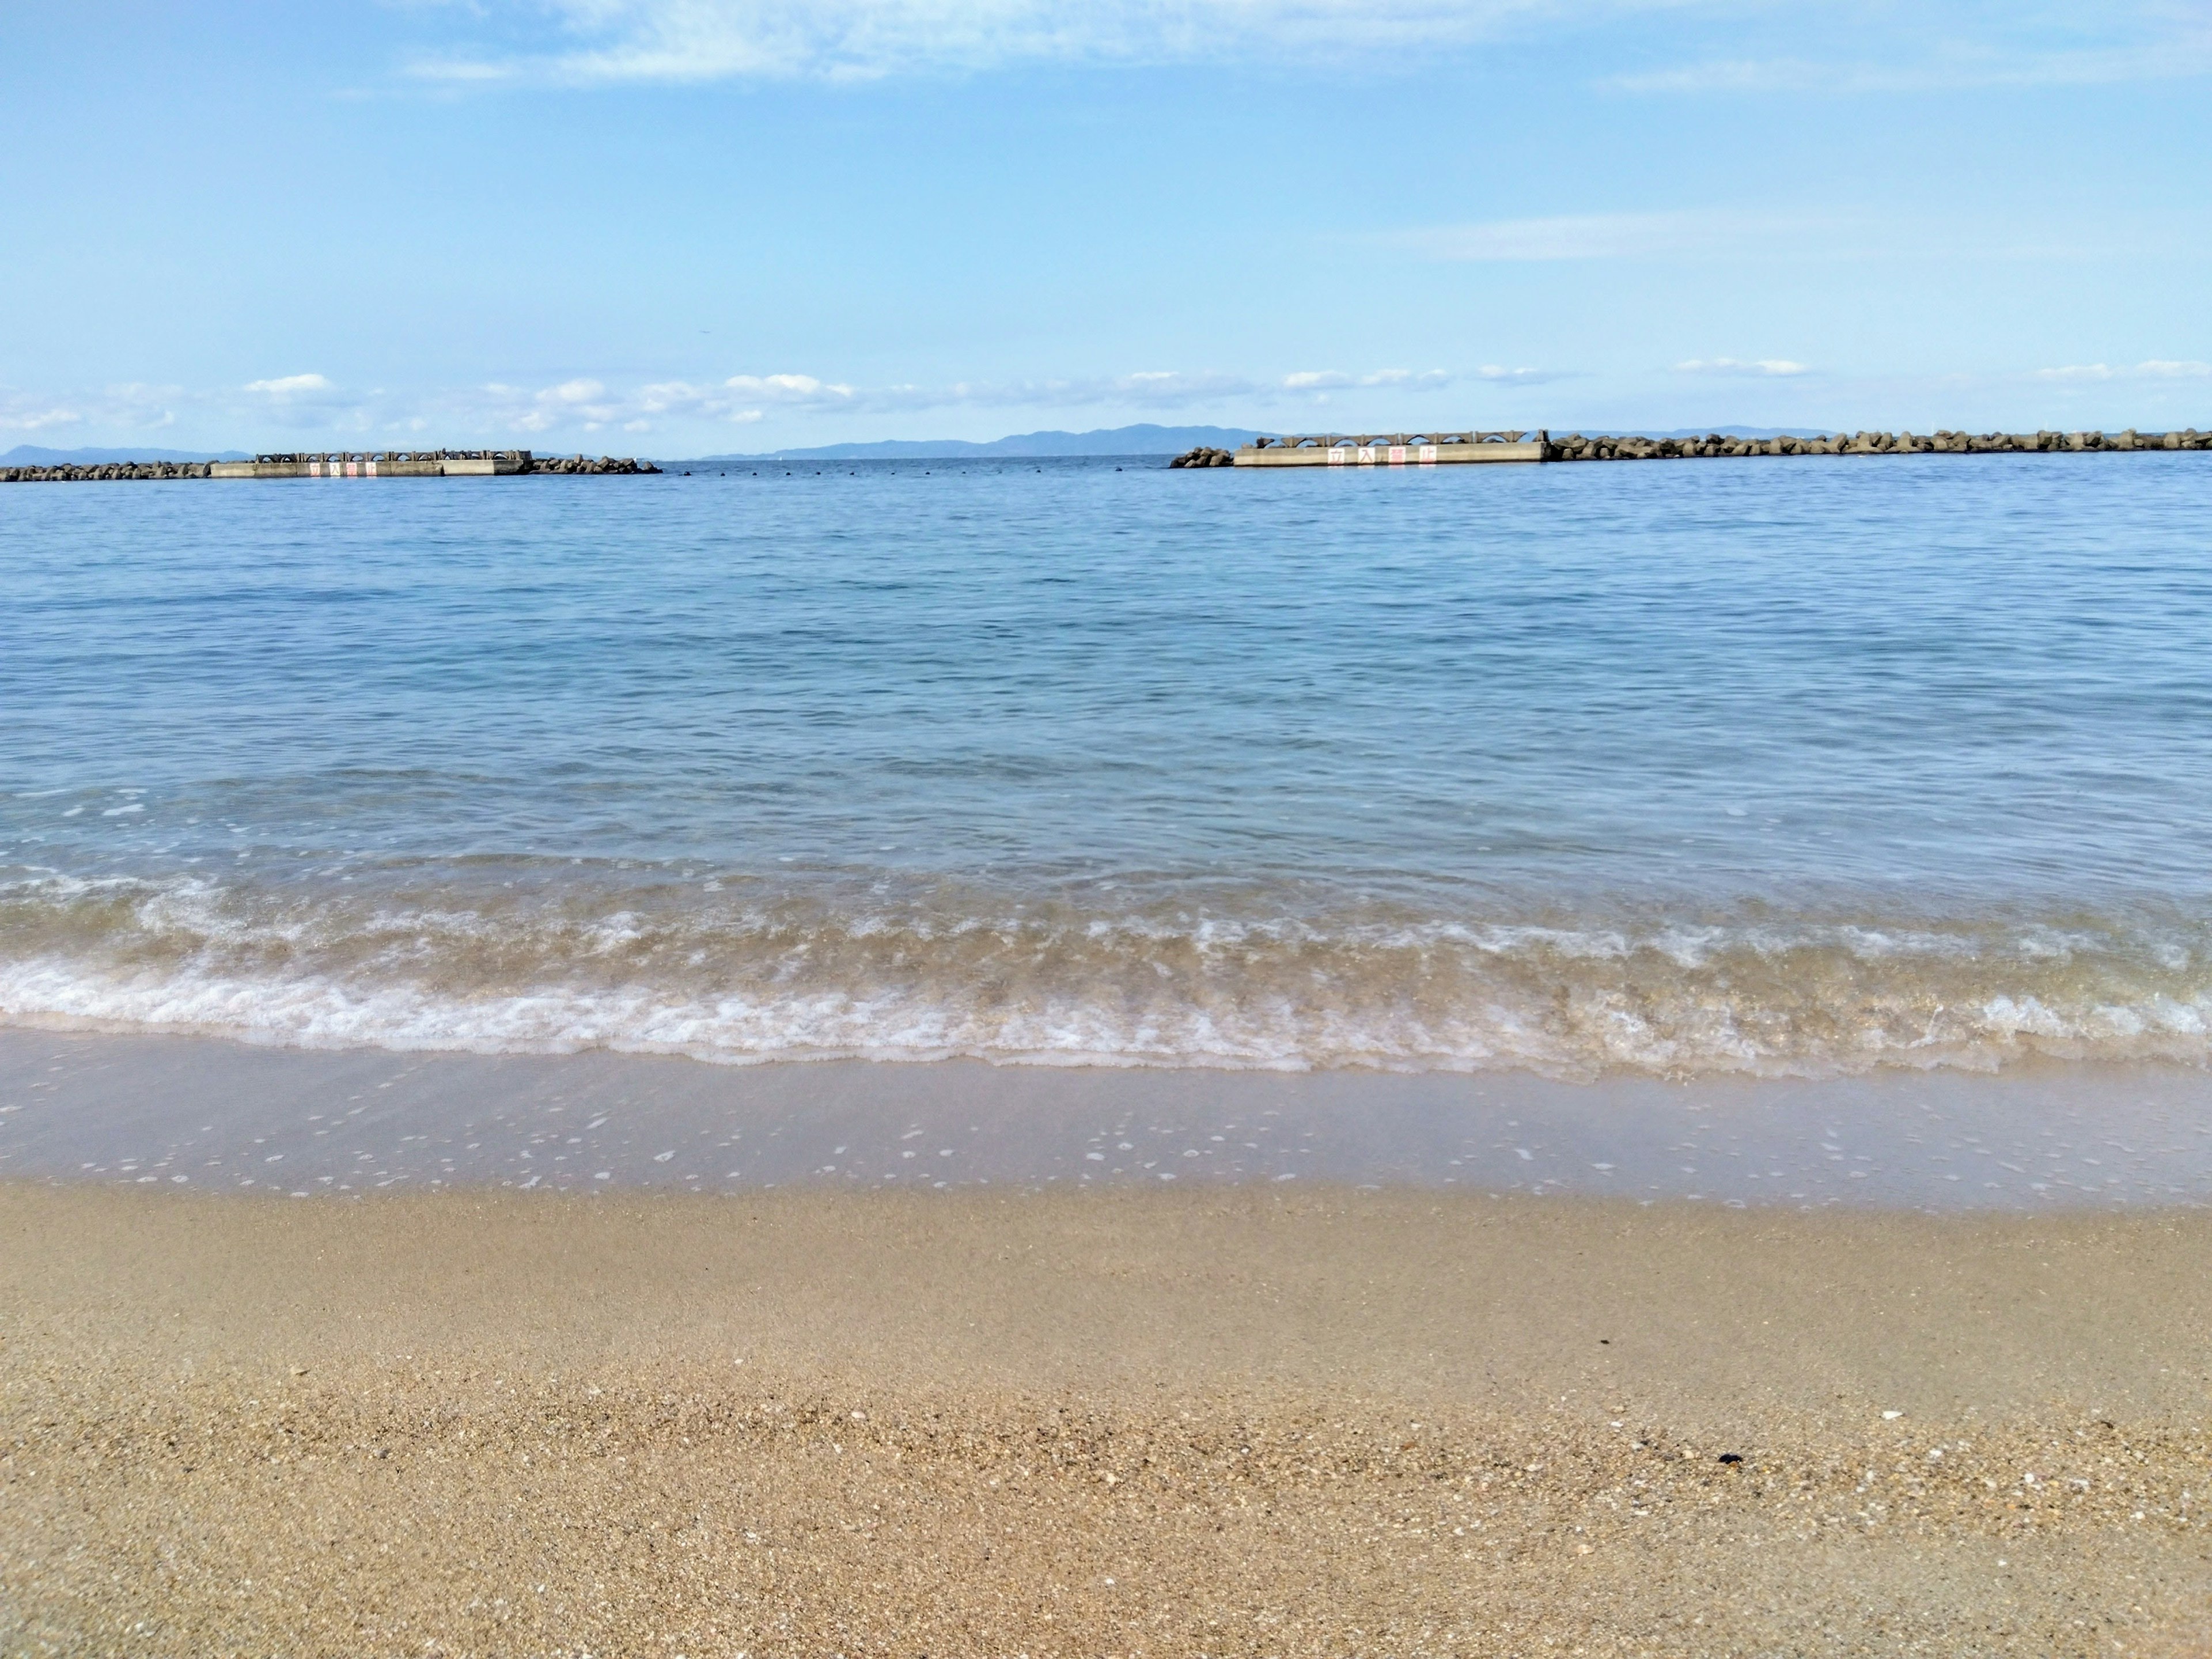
x,y
210,1114
999,1412
1144,1422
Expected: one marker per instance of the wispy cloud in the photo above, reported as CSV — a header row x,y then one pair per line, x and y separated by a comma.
x,y
584,405
747,396
1755,369
131,407
1313,379
1707,235
613,41
1696,47
2156,369
1605,236
1959,44
1434,380
746,399
1800,75
22,414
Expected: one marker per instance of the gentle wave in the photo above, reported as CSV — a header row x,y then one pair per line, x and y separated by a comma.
x,y
1238,982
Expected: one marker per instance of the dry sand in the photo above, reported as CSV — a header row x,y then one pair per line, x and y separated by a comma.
x,y
1228,1421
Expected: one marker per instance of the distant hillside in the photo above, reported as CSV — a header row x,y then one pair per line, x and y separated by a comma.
x,y
32,455
1116,440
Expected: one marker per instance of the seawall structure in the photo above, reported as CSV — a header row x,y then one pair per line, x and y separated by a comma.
x,y
342,463
1396,449
420,464
1442,449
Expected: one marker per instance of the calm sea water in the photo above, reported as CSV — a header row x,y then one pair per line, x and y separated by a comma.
x,y
1793,767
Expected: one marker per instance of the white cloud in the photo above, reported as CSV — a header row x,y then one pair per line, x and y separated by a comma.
x,y
290,387
17,415
699,40
1328,381
1771,368
134,407
581,402
791,391
747,399
1150,389
584,404
2156,369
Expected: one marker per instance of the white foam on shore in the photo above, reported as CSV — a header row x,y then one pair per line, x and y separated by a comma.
x,y
1170,984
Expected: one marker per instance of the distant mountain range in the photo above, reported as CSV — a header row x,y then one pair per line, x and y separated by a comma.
x,y
32,455
1146,439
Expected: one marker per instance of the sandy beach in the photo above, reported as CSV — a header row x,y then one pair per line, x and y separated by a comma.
x,y
1235,1420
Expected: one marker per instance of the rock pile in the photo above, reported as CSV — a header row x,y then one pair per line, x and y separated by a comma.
x,y
1204,457
584,464
101,473
1577,447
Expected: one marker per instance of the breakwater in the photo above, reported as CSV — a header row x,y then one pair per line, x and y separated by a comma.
x,y
103,472
343,464
1397,449
1577,447
1435,448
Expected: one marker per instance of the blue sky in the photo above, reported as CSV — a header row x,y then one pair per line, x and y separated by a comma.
x,y
671,226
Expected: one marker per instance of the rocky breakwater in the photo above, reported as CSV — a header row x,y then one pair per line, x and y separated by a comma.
x,y
1577,447
103,472
1204,457
335,464
604,464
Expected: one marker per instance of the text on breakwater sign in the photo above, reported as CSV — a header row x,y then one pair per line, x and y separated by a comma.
x,y
1389,455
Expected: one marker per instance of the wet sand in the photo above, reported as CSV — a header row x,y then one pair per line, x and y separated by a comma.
x,y
1254,1419
203,1113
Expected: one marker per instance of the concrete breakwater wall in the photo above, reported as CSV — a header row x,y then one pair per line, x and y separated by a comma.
x,y
342,463
1433,448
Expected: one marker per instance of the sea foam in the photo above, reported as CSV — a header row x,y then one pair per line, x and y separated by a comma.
x,y
971,974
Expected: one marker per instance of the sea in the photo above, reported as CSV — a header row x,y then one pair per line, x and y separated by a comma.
x,y
1787,767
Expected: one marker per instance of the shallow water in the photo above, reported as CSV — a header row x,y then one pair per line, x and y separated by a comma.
x,y
1792,766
